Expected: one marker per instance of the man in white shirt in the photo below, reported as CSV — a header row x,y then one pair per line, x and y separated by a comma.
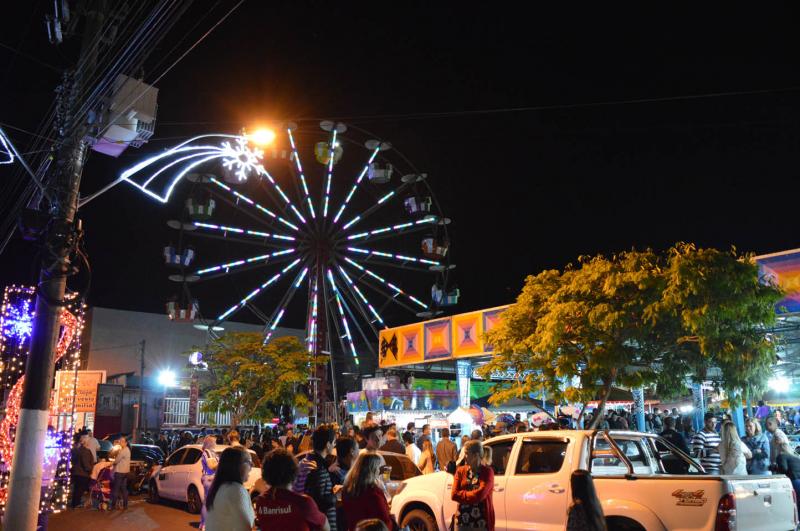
x,y
121,466
779,439
92,444
412,450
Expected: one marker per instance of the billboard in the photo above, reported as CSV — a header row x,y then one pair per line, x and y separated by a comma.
x,y
784,270
445,338
85,388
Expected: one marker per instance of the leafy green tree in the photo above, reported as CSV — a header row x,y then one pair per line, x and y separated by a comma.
x,y
577,333
252,380
722,311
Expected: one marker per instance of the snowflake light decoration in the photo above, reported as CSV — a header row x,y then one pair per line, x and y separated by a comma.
x,y
241,158
18,321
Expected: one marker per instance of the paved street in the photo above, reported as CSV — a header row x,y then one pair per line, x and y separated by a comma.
x,y
140,516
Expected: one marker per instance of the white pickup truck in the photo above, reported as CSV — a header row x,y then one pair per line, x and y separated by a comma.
x,y
642,481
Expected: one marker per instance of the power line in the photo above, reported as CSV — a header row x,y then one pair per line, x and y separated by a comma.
x,y
30,57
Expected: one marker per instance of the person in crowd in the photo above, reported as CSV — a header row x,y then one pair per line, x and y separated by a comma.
x,y
446,451
762,412
233,438
412,450
473,484
374,437
676,415
228,506
426,435
313,477
80,470
392,444
92,444
687,429
670,434
658,422
369,421
464,440
280,508
411,427
487,457
779,440
371,524
208,462
476,435
121,467
780,418
585,512
427,459
733,453
788,463
363,493
163,443
758,443
346,454
705,444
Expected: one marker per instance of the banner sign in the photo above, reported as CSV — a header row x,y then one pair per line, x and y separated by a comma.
x,y
401,399
448,338
85,388
783,269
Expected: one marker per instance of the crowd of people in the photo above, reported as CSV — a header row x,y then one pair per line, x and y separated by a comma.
x,y
83,459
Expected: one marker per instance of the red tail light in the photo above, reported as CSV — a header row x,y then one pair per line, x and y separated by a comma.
x,y
794,500
726,514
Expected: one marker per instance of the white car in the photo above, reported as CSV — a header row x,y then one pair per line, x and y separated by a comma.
x,y
643,483
179,478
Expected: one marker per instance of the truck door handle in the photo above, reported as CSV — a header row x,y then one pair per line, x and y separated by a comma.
x,y
555,489
449,486
498,488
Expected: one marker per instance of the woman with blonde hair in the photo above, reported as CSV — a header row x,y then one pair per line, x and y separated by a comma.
x,y
363,493
757,442
427,459
733,453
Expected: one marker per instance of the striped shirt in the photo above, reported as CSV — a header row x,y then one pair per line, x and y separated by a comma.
x,y
705,445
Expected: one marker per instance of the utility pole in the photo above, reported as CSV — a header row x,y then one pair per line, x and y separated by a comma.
x,y
60,239
138,425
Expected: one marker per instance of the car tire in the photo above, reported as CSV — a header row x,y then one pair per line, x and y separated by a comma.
x,y
620,523
419,520
152,493
193,504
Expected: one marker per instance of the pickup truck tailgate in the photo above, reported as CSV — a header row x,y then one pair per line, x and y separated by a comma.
x,y
763,502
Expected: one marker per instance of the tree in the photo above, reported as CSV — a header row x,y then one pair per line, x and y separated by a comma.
x,y
251,380
722,309
577,333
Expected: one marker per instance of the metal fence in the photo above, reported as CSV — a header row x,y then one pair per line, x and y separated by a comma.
x,y
176,413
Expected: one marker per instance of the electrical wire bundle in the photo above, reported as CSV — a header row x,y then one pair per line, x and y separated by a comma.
x,y
129,35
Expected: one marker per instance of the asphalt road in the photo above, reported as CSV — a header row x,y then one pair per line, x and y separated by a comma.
x,y
140,516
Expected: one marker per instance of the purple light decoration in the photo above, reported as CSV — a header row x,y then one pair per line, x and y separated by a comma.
x,y
355,186
342,315
296,156
330,174
18,322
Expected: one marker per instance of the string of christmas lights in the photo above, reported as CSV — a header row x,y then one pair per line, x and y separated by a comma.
x,y
16,326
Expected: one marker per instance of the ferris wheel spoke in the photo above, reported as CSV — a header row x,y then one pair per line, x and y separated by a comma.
x,y
370,254
366,309
243,263
269,282
261,235
287,202
338,298
301,174
388,297
257,206
386,283
326,196
374,208
346,303
394,230
360,178
276,317
260,244
313,308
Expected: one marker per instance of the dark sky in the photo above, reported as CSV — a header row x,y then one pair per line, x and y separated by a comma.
x,y
527,190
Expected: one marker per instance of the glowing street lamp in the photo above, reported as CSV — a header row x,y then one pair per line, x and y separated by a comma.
x,y
779,384
262,137
167,378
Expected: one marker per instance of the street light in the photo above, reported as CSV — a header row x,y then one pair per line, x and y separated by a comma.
x,y
167,378
262,136
779,384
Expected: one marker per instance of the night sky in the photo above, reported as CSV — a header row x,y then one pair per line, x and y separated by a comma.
x,y
607,155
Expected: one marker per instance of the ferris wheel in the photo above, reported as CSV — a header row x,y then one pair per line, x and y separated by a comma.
x,y
327,221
